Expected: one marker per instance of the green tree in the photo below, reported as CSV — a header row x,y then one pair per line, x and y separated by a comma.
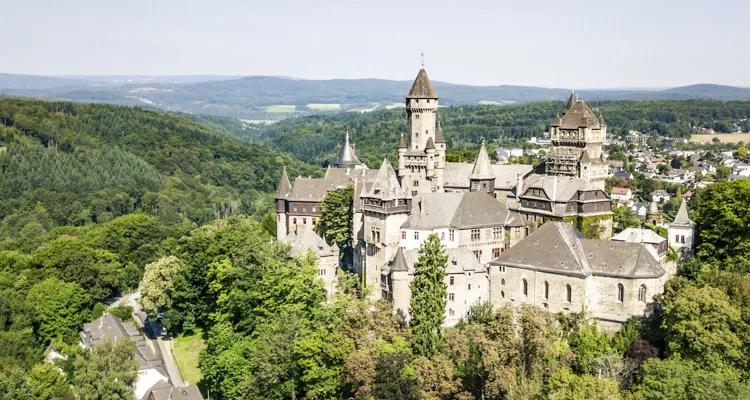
x,y
157,286
742,152
624,218
58,309
46,383
394,376
565,385
335,224
428,298
723,217
108,373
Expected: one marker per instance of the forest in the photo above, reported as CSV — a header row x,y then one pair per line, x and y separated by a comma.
x,y
99,200
317,139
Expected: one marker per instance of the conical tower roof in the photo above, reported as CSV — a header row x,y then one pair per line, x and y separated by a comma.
x,y
347,158
399,262
430,144
439,138
653,209
284,185
402,142
482,169
422,87
683,218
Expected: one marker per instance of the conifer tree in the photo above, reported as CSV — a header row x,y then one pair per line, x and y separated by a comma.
x,y
428,298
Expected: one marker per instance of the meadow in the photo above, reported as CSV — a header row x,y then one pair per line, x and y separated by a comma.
x,y
723,137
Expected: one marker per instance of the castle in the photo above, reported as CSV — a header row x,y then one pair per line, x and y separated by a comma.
x,y
487,216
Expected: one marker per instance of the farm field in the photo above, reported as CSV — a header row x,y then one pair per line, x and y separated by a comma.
x,y
280,108
723,137
324,107
259,121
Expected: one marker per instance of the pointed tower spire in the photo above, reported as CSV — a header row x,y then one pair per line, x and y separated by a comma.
x,y
402,142
284,186
683,218
346,155
482,164
439,138
422,87
399,262
571,101
386,186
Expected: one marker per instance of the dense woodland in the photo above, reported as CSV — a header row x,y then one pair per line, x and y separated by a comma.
x,y
317,139
78,228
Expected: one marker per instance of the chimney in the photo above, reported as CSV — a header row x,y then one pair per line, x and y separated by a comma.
x,y
519,186
529,157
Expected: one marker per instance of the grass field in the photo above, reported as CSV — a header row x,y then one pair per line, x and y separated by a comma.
x,y
324,107
186,351
723,137
278,108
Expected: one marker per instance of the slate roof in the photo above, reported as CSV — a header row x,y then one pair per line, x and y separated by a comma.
x,y
460,260
284,185
579,115
346,157
559,189
439,138
430,144
305,238
386,185
309,189
558,247
399,262
164,391
457,174
110,327
638,235
402,142
456,210
683,218
339,177
482,165
422,87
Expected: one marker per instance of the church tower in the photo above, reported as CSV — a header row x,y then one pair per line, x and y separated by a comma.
x,y
422,162
681,231
282,223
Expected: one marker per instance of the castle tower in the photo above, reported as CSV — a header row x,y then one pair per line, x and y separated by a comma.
x,y
652,215
401,292
681,231
481,178
386,207
422,170
282,223
577,139
347,158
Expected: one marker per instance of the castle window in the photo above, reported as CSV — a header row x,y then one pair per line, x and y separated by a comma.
x,y
620,293
403,235
502,281
416,183
502,294
497,232
469,287
451,297
416,235
570,293
451,312
546,290
416,116
452,235
414,192
294,221
451,280
314,209
475,234
304,208
642,293
477,254
496,252
442,236
295,208
304,221
525,287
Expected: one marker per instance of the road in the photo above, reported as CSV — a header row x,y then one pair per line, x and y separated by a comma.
x,y
161,345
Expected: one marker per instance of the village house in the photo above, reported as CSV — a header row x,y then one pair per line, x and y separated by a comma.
x,y
621,194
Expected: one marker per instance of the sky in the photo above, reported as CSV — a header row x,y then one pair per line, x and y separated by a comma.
x,y
564,44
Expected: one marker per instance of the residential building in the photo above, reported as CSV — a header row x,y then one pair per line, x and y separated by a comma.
x,y
621,194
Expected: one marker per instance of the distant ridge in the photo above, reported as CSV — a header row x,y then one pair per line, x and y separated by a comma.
x,y
274,98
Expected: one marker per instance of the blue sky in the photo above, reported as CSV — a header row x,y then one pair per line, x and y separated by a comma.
x,y
568,44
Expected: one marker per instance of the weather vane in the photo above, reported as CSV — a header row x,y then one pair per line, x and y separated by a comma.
x,y
422,59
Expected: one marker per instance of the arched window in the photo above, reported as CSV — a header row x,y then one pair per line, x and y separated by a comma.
x,y
546,290
570,293
620,292
502,281
642,293
525,287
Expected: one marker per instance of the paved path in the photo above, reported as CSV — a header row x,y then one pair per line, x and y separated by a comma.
x,y
162,346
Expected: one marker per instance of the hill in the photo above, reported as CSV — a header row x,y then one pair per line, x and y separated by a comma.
x,y
265,98
317,139
76,164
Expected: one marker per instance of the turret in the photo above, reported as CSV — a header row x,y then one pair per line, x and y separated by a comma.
x,y
421,108
347,158
481,178
281,216
430,151
401,156
681,231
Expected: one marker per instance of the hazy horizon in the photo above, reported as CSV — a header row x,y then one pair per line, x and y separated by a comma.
x,y
576,44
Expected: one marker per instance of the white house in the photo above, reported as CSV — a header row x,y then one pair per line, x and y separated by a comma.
x,y
681,231
619,193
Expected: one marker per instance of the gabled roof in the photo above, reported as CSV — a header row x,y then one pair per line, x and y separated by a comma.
x,y
456,210
558,247
459,260
309,189
422,87
682,218
346,157
284,185
482,165
386,185
619,190
638,235
305,238
457,174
